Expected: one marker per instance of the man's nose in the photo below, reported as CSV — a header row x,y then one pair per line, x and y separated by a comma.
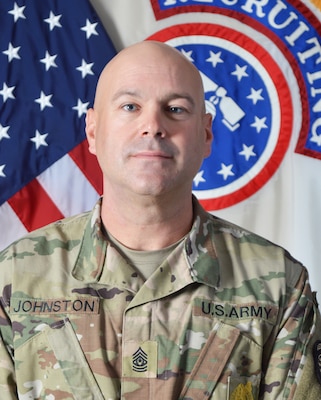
x,y
153,124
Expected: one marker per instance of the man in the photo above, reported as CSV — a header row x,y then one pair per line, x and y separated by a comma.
x,y
148,296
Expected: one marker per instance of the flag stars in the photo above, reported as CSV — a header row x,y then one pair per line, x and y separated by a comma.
x,y
188,54
81,107
259,124
240,72
44,101
255,95
12,52
53,21
199,178
49,61
6,92
2,167
247,152
17,12
39,139
215,58
90,28
226,171
4,132
85,68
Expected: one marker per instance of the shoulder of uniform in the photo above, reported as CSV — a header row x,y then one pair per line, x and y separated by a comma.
x,y
228,236
227,228
65,233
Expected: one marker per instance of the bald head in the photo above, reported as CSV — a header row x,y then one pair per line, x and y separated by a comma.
x,y
154,59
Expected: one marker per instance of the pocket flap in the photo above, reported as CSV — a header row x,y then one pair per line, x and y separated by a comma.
x,y
210,363
72,361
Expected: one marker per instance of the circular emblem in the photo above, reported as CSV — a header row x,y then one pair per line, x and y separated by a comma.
x,y
252,105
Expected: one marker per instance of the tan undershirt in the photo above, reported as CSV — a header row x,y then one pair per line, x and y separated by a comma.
x,y
145,262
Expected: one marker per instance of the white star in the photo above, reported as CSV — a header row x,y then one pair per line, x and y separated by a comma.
x,y
53,20
247,152
85,68
17,12
2,167
226,171
199,178
12,52
259,124
44,100
39,139
6,92
215,58
49,60
81,107
240,72
4,132
90,28
255,95
188,54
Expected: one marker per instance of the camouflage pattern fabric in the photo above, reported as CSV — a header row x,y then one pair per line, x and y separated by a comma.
x,y
228,315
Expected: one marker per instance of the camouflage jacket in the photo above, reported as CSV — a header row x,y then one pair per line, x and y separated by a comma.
x,y
227,315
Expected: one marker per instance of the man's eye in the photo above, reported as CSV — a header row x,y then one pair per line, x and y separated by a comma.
x,y
175,110
130,107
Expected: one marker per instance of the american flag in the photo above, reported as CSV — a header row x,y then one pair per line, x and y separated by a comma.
x,y
51,54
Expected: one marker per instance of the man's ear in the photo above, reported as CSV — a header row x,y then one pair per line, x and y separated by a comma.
x,y
208,134
91,130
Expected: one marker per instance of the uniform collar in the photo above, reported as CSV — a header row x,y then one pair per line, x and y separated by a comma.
x,y
92,254
200,248
196,256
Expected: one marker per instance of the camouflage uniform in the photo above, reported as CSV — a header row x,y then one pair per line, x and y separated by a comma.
x,y
228,315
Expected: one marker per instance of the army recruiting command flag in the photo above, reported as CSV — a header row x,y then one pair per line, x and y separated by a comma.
x,y
258,61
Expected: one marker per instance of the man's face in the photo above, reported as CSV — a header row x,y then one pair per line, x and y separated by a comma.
x,y
149,130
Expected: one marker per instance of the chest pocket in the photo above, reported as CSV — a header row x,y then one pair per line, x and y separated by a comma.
x,y
228,367
59,366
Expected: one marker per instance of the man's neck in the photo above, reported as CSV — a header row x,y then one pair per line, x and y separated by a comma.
x,y
150,224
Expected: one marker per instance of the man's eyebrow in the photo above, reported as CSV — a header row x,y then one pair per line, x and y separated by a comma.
x,y
183,95
169,97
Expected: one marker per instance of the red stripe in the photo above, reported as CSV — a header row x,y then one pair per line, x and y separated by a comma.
x,y
34,207
88,165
